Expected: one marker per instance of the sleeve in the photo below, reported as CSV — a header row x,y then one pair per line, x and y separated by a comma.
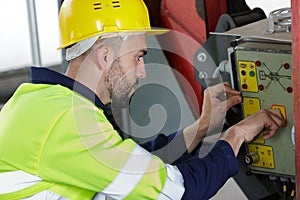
x,y
171,149
204,177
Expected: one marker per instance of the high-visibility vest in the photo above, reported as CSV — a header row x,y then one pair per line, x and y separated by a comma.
x,y
59,141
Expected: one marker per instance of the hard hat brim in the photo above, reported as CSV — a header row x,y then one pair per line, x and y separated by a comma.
x,y
152,31
80,47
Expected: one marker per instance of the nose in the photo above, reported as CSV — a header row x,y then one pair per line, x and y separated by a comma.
x,y
141,71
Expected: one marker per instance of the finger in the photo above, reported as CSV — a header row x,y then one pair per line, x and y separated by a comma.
x,y
228,96
277,112
268,134
277,116
272,124
216,90
270,131
222,90
232,101
230,90
227,84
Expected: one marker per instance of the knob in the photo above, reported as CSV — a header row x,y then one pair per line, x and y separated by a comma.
x,y
251,158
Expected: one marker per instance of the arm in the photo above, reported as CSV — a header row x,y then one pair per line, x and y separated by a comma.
x,y
216,102
203,177
266,121
171,149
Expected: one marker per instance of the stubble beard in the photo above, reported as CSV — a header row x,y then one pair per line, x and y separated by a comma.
x,y
119,86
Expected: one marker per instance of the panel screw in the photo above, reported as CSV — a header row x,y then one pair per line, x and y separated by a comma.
x,y
203,75
201,57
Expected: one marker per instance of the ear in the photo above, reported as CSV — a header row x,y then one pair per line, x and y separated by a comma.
x,y
102,56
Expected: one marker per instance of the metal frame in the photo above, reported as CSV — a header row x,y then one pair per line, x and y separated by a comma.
x,y
34,36
296,85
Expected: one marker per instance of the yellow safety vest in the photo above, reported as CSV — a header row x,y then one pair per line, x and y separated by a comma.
x,y
68,146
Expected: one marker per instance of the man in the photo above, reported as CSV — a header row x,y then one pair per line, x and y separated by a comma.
x,y
55,138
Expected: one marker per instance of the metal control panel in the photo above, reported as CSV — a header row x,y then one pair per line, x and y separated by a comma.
x,y
264,76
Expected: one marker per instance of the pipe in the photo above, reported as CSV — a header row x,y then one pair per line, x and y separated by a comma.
x,y
33,31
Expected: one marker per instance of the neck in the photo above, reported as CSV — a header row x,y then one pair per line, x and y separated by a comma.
x,y
90,77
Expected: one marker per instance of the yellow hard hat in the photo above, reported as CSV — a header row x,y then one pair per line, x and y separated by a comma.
x,y
80,20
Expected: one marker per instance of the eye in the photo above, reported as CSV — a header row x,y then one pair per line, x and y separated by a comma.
x,y
139,58
141,55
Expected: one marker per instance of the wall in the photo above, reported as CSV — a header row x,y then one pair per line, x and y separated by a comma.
x,y
14,34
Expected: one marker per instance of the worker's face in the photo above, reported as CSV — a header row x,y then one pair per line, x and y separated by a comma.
x,y
122,77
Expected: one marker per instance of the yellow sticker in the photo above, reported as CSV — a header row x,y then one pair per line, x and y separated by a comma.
x,y
248,76
251,106
265,154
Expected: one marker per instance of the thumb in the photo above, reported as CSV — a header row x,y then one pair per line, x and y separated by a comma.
x,y
232,101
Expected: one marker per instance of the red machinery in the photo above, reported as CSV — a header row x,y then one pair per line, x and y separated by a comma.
x,y
195,19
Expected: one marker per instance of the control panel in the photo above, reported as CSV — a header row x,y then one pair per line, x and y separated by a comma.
x,y
263,72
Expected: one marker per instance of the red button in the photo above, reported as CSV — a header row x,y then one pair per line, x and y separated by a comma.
x,y
286,65
258,63
244,86
289,89
261,87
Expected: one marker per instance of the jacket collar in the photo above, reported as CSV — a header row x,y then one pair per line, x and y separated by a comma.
x,y
41,75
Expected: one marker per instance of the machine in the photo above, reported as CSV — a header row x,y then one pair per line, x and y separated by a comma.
x,y
253,52
259,65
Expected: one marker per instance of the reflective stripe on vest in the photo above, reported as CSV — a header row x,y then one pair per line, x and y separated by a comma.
x,y
16,180
173,188
18,184
45,195
130,174
122,185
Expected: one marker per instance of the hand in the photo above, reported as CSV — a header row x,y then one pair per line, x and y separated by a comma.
x,y
265,121
217,100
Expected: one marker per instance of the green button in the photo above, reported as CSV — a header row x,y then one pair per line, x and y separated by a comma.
x,y
251,73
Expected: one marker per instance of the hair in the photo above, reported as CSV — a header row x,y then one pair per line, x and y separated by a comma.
x,y
113,42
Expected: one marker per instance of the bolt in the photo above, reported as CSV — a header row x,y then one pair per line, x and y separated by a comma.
x,y
201,57
203,75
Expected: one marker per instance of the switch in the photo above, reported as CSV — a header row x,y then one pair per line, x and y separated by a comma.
x,y
258,63
261,87
251,158
245,86
289,89
251,73
286,65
